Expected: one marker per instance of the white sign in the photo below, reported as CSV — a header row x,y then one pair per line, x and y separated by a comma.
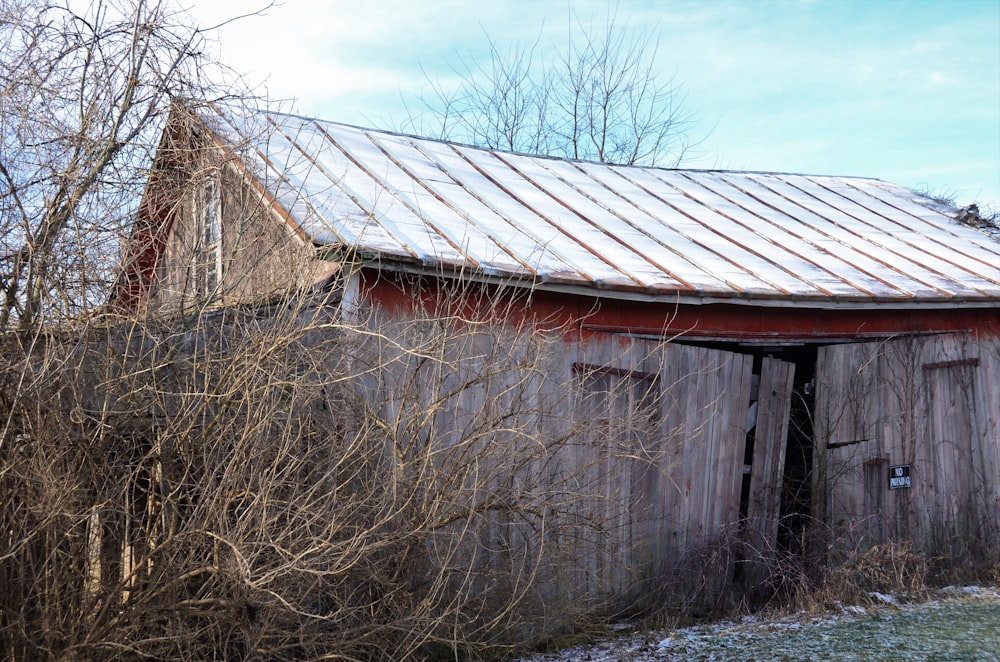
x,y
899,476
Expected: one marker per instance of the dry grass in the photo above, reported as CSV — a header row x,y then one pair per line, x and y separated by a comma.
x,y
893,568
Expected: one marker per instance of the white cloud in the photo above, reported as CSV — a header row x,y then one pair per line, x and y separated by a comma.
x,y
817,87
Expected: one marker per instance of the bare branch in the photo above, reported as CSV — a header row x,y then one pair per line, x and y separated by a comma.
x,y
600,97
82,96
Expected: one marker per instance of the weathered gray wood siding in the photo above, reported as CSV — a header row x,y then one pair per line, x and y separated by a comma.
x,y
261,255
621,459
670,485
928,403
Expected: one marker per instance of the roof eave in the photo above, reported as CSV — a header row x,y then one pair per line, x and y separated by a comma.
x,y
575,287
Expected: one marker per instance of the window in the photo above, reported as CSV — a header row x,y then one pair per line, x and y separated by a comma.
x,y
208,249
623,405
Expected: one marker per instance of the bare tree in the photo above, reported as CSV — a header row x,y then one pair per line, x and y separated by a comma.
x,y
82,96
599,97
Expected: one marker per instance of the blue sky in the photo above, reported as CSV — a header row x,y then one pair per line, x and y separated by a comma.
x,y
906,91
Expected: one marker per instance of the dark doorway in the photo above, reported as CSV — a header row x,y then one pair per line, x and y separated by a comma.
x,y
796,493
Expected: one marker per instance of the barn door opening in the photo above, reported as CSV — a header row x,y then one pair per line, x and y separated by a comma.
x,y
775,499
796,489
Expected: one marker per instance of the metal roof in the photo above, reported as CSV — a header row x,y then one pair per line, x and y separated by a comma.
x,y
627,230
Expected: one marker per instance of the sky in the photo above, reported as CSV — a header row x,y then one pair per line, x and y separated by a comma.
x,y
904,91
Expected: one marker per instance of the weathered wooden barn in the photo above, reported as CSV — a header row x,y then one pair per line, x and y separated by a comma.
x,y
819,348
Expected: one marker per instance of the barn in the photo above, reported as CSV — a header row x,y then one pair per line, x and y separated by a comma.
x,y
804,354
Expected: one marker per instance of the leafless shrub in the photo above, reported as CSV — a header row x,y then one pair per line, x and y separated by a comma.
x,y
274,482
736,569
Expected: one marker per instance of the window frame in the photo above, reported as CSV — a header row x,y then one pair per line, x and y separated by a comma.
x,y
207,267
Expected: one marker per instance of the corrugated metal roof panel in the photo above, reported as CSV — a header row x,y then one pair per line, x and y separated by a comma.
x,y
705,234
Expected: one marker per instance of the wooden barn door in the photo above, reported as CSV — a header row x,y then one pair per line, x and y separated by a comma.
x,y
912,406
849,446
774,401
955,461
671,423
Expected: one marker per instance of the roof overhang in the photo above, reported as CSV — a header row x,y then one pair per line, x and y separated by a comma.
x,y
667,297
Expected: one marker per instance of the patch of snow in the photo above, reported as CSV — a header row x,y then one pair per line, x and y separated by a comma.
x,y
882,597
851,610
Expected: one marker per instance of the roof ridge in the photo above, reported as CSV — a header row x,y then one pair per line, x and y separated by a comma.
x,y
550,157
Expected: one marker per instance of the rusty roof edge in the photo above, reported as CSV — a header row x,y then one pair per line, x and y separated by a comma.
x,y
252,178
307,200
818,187
556,284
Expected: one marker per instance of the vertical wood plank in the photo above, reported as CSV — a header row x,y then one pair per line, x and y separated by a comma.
x,y
773,407
845,428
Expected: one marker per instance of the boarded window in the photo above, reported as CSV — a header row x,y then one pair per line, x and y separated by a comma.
x,y
620,409
621,404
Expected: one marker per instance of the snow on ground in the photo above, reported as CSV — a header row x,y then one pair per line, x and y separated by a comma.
x,y
957,623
